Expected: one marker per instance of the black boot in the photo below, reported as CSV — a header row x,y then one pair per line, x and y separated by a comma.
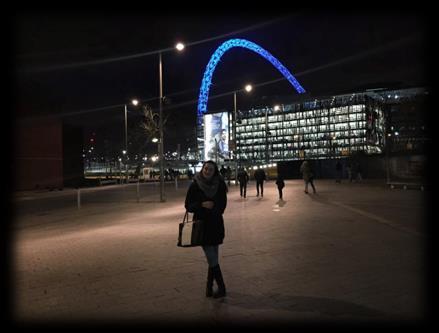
x,y
219,281
209,286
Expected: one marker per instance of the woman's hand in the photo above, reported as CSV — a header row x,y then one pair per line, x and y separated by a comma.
x,y
207,204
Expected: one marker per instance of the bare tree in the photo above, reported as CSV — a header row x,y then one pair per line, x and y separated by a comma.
x,y
144,130
150,123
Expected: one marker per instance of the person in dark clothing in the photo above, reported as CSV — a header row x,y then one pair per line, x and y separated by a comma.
x,y
308,175
280,185
338,171
223,172
349,170
243,180
358,172
207,199
260,177
228,174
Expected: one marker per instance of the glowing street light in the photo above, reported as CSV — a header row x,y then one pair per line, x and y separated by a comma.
x,y
179,47
247,88
134,102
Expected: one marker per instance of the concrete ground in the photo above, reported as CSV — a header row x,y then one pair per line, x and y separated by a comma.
x,y
352,253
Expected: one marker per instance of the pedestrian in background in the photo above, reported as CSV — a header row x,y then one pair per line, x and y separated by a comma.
x,y
358,172
260,177
338,171
349,169
243,180
280,185
223,172
308,175
207,199
228,174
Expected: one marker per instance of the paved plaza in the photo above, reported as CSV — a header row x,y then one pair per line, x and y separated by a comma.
x,y
353,252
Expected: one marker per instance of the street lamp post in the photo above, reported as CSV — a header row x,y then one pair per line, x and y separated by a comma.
x,y
247,88
179,47
125,157
126,142
162,180
235,150
276,131
134,102
120,170
267,133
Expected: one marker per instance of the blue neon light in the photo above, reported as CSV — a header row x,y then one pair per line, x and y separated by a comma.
x,y
216,56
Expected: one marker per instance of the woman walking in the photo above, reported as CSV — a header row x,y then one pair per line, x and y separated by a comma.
x,y
207,199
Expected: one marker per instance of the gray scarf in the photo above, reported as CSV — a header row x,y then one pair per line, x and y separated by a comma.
x,y
208,187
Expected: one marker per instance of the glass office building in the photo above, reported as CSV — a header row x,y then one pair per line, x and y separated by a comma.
x,y
317,129
323,128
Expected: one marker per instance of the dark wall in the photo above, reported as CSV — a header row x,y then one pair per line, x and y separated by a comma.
x,y
289,169
47,155
37,161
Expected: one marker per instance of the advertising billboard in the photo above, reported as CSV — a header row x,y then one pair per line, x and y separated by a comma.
x,y
216,136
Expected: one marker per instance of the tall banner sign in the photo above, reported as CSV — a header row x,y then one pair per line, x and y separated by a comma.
x,y
216,136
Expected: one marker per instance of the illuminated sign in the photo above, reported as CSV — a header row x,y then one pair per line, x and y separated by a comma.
x,y
216,136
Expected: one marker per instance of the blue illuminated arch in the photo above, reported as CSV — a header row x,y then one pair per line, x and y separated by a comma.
x,y
216,56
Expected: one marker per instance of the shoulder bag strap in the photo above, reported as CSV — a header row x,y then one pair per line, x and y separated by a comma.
x,y
186,217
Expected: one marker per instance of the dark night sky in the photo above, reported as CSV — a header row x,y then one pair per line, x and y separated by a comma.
x,y
327,51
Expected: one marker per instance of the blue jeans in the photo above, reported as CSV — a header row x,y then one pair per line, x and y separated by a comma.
x,y
211,252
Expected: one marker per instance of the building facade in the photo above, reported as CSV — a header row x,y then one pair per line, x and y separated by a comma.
x,y
406,124
330,127
318,129
383,128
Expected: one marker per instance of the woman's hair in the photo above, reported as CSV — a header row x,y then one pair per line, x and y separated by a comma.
x,y
216,173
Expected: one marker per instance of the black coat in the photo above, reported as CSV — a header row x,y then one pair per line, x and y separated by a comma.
x,y
260,175
214,222
280,183
243,177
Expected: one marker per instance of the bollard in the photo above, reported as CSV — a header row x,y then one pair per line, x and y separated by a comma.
x,y
176,183
138,195
79,198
